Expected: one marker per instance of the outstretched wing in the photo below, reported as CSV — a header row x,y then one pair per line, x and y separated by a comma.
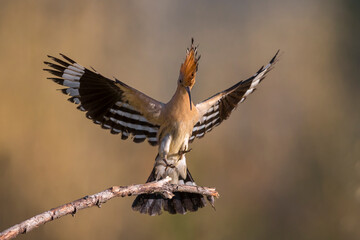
x,y
111,104
218,108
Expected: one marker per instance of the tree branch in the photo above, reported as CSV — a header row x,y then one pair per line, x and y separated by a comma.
x,y
163,187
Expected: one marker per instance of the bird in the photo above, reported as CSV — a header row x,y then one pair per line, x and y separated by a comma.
x,y
170,126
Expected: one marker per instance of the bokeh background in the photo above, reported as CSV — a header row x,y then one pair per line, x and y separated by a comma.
x,y
286,163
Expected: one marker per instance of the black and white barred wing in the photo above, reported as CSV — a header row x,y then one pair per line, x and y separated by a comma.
x,y
218,108
111,104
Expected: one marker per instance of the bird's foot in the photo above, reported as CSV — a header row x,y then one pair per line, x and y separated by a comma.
x,y
182,152
167,164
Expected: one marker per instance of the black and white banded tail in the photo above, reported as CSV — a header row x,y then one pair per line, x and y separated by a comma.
x,y
181,203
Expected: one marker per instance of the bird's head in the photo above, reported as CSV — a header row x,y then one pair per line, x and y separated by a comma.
x,y
188,69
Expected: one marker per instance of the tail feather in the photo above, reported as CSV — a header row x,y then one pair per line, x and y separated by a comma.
x,y
181,203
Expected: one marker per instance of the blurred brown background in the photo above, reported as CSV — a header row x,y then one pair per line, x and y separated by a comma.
x,y
286,163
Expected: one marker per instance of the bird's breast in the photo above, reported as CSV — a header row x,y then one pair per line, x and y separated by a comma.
x,y
179,132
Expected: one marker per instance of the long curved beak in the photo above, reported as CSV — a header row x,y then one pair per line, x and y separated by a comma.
x,y
188,91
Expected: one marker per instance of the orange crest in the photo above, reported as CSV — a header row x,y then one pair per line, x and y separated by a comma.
x,y
189,67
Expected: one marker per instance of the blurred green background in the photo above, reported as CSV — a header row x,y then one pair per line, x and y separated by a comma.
x,y
286,163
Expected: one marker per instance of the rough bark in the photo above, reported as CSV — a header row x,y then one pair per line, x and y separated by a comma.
x,y
97,199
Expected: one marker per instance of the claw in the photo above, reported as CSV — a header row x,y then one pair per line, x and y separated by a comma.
x,y
182,152
168,165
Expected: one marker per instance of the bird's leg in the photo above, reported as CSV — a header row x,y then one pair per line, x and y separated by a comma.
x,y
181,167
185,148
165,148
165,164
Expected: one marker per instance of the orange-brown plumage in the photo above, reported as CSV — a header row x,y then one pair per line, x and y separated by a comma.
x,y
189,67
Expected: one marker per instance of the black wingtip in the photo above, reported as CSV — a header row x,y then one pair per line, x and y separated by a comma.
x,y
274,58
260,70
63,90
54,72
57,80
67,58
55,66
57,60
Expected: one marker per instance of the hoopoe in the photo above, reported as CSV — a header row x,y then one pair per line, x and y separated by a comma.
x,y
171,126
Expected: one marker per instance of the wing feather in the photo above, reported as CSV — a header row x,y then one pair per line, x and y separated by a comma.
x,y
218,108
111,104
